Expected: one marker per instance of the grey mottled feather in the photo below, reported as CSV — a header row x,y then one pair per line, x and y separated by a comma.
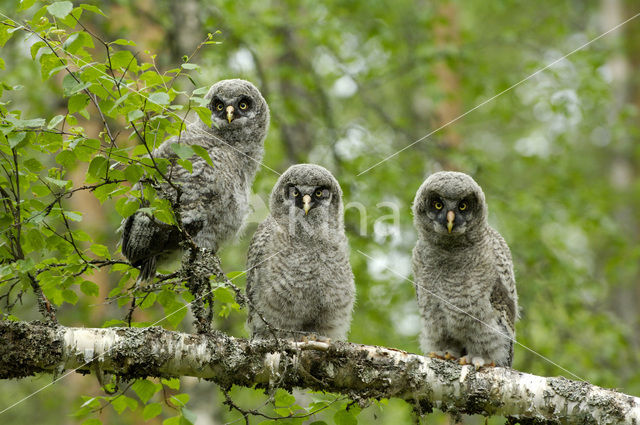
x,y
299,278
214,200
464,280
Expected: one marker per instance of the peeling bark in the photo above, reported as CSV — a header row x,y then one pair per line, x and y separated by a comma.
x,y
359,371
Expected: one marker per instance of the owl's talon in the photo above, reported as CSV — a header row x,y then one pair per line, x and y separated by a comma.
x,y
476,362
311,337
437,355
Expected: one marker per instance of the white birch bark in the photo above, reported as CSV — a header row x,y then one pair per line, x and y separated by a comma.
x,y
359,371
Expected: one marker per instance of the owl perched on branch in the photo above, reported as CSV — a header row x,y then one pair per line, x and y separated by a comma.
x,y
213,201
463,274
299,278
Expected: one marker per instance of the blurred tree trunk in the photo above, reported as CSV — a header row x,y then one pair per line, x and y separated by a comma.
x,y
447,39
186,33
624,166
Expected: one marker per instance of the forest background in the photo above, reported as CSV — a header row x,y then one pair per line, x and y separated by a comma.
x,y
349,84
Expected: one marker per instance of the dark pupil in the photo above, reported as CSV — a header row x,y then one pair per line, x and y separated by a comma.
x,y
219,106
243,105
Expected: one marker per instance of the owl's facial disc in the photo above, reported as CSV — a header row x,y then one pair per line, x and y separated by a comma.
x,y
307,198
227,110
449,216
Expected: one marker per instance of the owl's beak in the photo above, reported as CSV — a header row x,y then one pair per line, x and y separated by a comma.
x,y
450,217
230,113
306,204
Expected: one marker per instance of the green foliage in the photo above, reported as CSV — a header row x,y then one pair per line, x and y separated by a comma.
x,y
84,101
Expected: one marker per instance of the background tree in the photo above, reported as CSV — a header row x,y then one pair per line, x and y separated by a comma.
x,y
348,85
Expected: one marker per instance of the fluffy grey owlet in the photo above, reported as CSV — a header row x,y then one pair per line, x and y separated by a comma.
x,y
463,274
214,200
299,279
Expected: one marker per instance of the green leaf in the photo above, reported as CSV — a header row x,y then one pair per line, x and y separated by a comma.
x,y
182,150
2,65
172,383
180,399
26,4
60,9
105,191
123,59
66,158
133,173
50,65
55,121
202,153
189,416
71,85
92,421
159,98
204,114
283,411
70,296
77,102
121,402
123,42
114,322
226,295
176,420
5,34
57,182
282,397
15,139
190,66
134,115
72,215
126,207
145,389
100,250
98,166
33,164
344,417
76,42
186,164
149,300
90,288
151,411
93,9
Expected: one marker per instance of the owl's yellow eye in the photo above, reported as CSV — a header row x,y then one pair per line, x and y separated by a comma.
x,y
219,106
296,192
437,205
462,206
243,105
319,193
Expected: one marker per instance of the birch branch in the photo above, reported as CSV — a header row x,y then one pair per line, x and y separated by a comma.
x,y
359,371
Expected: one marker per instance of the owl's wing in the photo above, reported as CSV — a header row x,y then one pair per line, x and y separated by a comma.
x,y
504,298
258,258
258,254
143,239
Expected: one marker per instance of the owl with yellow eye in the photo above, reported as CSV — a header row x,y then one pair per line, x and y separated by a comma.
x,y
299,280
463,274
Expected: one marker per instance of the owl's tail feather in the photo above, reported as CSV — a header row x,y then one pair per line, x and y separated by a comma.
x,y
147,269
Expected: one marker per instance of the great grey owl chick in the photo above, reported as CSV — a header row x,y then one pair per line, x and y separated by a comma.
x,y
299,278
214,200
463,274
